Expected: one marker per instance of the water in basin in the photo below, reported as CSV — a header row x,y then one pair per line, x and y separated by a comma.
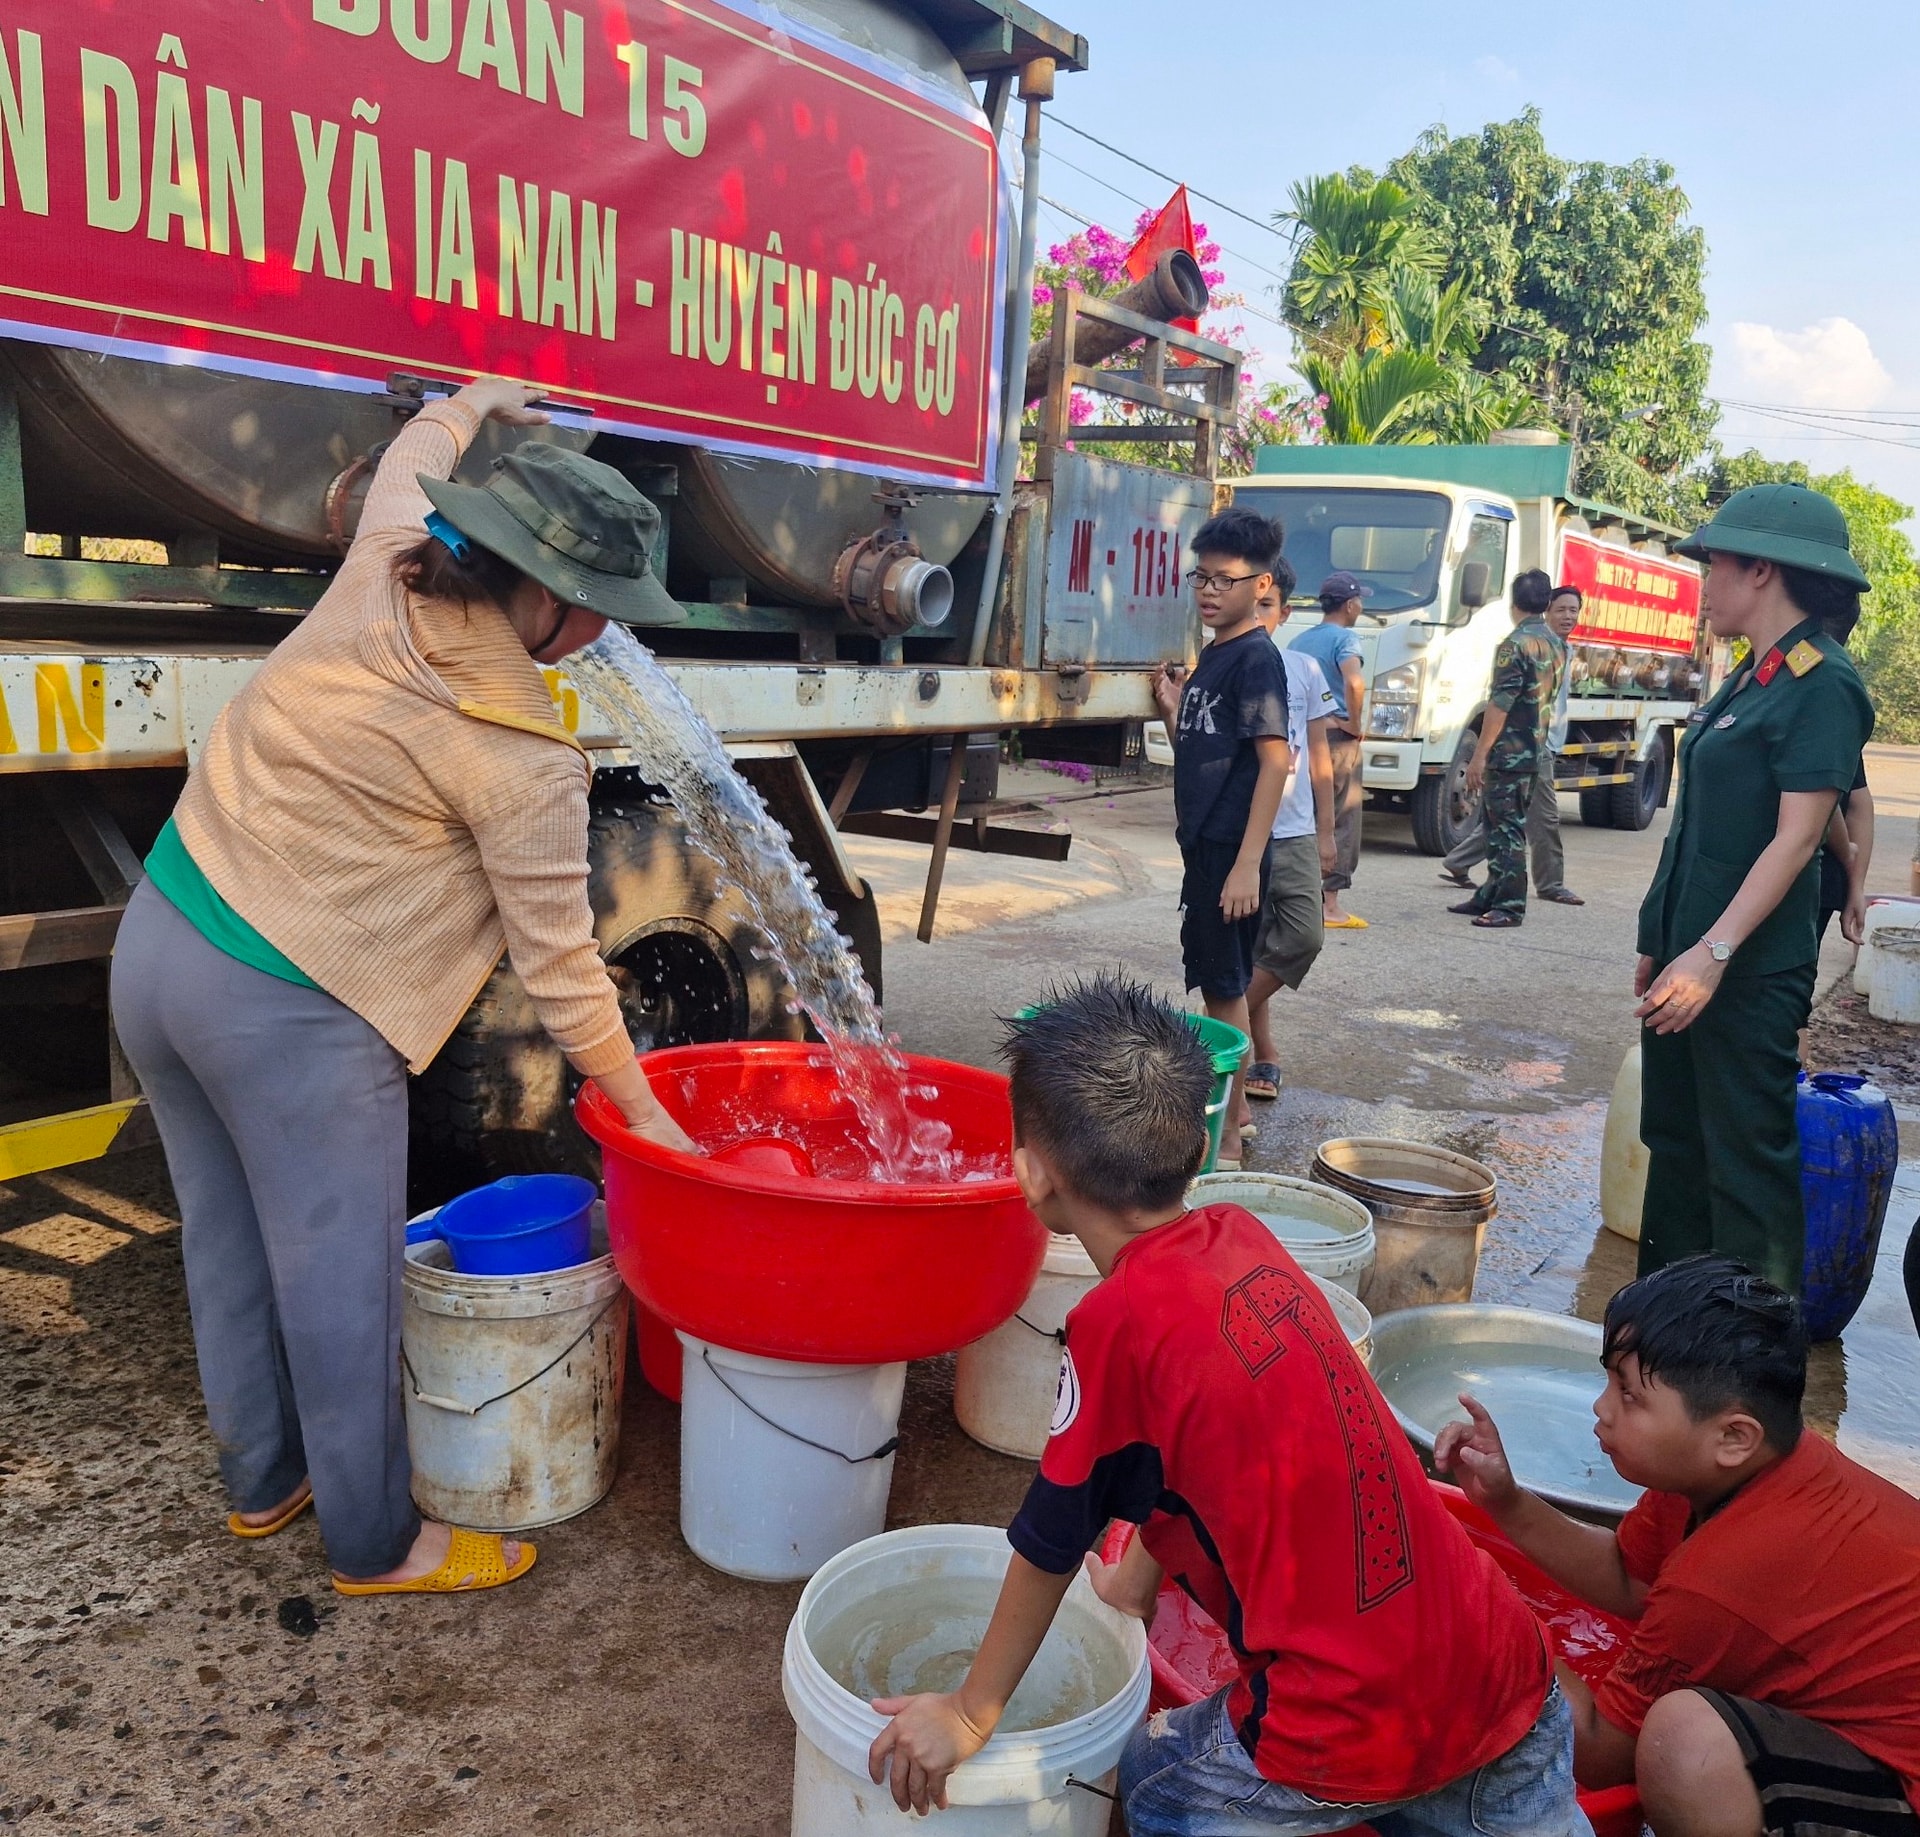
x,y
922,1635
1541,1398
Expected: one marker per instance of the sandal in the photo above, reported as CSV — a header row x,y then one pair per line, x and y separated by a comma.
x,y
1497,921
480,1555
1263,1080
1347,921
240,1528
1249,1132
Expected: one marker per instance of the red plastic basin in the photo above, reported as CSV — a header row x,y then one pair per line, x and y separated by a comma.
x,y
1190,1657
818,1270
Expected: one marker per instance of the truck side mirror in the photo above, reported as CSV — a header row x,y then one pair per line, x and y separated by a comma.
x,y
1475,583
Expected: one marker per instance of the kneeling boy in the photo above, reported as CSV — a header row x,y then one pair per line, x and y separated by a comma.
x,y
1388,1672
1773,1680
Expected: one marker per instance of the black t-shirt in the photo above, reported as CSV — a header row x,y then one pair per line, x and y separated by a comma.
x,y
1236,695
1834,877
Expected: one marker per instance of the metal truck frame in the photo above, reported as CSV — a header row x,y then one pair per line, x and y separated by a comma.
x,y
112,672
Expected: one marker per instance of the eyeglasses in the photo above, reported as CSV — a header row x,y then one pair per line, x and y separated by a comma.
x,y
1202,580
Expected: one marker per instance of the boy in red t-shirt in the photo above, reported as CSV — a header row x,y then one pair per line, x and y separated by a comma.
x,y
1773,1680
1388,1672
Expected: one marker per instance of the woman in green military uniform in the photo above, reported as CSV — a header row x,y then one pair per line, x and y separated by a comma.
x,y
1729,928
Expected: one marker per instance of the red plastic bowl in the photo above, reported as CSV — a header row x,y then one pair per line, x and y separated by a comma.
x,y
821,1271
1190,1658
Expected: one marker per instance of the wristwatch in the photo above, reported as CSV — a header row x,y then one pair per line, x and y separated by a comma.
x,y
1717,949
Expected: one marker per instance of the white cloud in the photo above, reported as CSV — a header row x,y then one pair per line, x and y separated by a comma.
x,y
1828,365
1495,69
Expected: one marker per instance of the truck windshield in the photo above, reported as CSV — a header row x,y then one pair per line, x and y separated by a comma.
x,y
1394,540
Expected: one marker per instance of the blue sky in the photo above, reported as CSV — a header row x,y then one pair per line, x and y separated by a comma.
x,y
1795,131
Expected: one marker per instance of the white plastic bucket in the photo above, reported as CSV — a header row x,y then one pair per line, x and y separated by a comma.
x,y
1886,909
1623,1156
782,1465
1353,1314
1896,975
1004,1385
905,1612
512,1387
1327,1233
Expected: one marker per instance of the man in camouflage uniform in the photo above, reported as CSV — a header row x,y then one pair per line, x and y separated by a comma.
x,y
1513,736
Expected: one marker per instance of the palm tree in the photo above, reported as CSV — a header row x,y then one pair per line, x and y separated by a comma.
x,y
1370,394
1350,240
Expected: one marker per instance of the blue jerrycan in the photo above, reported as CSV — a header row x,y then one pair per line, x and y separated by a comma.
x,y
1849,1149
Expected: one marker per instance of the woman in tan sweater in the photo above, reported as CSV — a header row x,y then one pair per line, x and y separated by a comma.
x,y
385,808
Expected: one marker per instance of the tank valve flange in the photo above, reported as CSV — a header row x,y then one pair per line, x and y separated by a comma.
x,y
884,581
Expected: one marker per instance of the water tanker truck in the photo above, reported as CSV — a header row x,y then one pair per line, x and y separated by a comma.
x,y
762,258
1437,534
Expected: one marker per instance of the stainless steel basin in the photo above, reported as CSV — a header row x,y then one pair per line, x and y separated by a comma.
x,y
1537,1374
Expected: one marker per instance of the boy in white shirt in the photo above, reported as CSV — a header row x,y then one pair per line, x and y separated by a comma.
x,y
1292,927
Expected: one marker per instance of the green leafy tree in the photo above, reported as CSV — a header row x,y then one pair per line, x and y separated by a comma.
x,y
1354,237
1381,336
1886,643
1591,278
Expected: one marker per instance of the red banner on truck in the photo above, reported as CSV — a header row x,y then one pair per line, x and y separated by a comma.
x,y
700,223
1640,602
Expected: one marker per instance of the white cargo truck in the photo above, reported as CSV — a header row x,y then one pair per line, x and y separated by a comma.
x,y
1437,534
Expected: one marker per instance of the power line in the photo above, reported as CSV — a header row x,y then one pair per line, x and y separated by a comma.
x,y
1824,416
1807,429
1217,203
1271,273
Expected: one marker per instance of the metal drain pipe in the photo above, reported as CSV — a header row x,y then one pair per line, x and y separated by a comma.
x,y
1036,87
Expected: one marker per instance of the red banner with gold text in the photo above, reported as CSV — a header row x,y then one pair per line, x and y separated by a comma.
x,y
693,222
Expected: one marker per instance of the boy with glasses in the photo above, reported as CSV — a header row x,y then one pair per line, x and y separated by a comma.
x,y
1227,719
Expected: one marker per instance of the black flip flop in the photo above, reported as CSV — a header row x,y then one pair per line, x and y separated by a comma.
x,y
1497,921
1263,1081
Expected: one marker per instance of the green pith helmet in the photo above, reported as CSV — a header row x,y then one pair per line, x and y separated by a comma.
x,y
1791,524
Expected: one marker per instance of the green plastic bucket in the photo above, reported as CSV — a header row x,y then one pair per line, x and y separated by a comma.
x,y
1227,1047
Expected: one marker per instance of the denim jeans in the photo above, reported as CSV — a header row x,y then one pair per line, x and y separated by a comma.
x,y
1185,1774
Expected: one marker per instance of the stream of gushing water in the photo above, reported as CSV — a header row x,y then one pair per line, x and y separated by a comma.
x,y
728,820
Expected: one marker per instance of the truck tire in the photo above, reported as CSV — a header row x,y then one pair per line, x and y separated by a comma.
x,y
1596,806
1634,805
1441,809
498,1098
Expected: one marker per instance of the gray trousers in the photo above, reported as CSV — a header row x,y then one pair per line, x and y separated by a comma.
x,y
284,1119
1349,799
1543,837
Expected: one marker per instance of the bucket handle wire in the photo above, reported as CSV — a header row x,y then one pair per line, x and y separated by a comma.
x,y
852,1460
1057,1335
473,1409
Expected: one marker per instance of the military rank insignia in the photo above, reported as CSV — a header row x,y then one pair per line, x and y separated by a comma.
x,y
1803,657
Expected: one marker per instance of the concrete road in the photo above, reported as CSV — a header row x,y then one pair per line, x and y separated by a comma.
x,y
156,1674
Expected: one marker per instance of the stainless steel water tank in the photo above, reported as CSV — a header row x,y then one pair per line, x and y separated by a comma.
x,y
120,447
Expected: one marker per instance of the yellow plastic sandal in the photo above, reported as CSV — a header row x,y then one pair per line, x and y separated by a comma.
x,y
481,1555
240,1528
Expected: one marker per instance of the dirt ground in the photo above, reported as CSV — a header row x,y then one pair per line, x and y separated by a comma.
x,y
157,1674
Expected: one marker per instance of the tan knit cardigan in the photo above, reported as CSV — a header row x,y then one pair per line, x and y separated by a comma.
x,y
392,802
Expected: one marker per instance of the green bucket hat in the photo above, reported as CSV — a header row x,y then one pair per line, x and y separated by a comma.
x,y
574,525
1790,524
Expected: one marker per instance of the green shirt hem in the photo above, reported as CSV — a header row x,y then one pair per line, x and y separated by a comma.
x,y
177,875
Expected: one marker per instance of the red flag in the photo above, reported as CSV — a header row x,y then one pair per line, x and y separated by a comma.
x,y
1172,229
